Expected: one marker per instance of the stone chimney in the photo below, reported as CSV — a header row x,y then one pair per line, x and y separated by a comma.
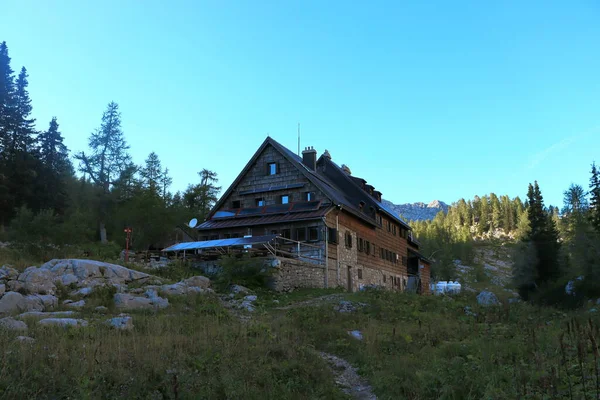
x,y
309,158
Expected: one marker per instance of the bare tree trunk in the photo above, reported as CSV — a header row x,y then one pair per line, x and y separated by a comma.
x,y
103,238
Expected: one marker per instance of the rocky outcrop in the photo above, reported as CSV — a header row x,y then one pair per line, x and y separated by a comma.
x,y
34,280
90,273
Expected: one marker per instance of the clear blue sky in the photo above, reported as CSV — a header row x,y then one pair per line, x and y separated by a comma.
x,y
425,100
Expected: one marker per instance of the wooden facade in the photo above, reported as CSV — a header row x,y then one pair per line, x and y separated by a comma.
x,y
360,242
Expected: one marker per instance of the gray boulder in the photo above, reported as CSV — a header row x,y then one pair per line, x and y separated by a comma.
x,y
356,334
8,274
85,291
63,322
44,315
175,289
101,309
12,324
239,289
199,281
487,298
248,303
2,289
76,304
11,302
151,301
122,322
25,339
345,306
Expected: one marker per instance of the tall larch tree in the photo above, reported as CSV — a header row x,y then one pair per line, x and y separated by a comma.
x,y
107,160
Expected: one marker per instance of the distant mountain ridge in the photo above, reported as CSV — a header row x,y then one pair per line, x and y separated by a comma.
x,y
418,211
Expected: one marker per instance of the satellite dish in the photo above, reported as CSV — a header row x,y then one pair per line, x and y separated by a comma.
x,y
193,222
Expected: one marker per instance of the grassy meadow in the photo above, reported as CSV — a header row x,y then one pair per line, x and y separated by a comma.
x,y
414,347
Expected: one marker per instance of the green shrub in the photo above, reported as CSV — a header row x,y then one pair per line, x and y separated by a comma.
x,y
246,271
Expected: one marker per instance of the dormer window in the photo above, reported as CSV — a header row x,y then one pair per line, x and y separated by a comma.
x,y
260,202
309,196
236,204
285,199
361,205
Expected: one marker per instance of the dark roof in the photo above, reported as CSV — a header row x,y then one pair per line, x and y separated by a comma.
x,y
212,244
341,189
264,219
362,194
326,186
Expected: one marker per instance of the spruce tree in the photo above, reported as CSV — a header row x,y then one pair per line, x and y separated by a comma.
x,y
594,204
544,236
6,97
57,168
151,173
495,213
52,151
22,128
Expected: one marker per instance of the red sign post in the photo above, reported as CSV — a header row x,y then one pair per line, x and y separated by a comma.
x,y
127,240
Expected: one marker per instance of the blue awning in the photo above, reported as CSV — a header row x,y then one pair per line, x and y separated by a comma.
x,y
211,244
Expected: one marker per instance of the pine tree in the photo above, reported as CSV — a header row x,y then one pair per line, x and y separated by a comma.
x,y
594,204
108,159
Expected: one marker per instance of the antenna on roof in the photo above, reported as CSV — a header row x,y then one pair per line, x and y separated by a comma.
x,y
298,139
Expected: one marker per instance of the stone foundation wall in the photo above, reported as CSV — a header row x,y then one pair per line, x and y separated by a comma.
x,y
290,274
